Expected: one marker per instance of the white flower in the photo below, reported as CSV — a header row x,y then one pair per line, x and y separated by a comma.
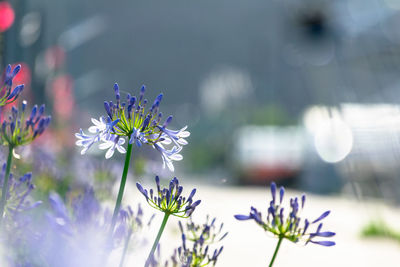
x,y
101,130
177,136
115,142
169,155
86,141
99,125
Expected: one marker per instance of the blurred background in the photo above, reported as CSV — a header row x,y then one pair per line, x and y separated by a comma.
x,y
304,93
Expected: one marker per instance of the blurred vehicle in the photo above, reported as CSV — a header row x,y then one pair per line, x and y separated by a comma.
x,y
266,153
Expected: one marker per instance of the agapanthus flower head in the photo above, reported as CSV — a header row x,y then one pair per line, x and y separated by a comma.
x,y
170,200
139,123
130,221
209,231
7,94
197,240
289,225
17,199
21,127
196,256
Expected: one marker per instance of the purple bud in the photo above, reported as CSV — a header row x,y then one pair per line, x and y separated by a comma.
x,y
242,217
326,213
116,89
33,113
324,243
142,90
281,193
273,191
306,224
12,127
189,199
303,200
17,90
16,70
158,183
41,110
168,197
146,123
179,192
167,121
281,216
8,69
132,101
140,188
325,234
195,204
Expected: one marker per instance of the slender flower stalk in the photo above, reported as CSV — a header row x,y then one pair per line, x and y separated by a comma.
x,y
126,243
5,184
169,201
129,222
157,240
121,189
289,227
276,251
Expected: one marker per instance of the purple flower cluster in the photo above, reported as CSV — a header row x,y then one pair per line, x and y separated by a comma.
x,y
17,199
132,120
201,238
290,225
21,129
7,94
80,231
130,222
170,200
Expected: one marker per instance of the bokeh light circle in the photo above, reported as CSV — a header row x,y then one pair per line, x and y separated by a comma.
x,y
7,16
333,140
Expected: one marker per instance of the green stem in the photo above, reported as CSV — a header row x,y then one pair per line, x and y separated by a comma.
x,y
121,189
5,184
121,263
164,222
276,251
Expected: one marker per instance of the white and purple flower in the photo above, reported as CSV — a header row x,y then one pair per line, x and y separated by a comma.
x,y
131,121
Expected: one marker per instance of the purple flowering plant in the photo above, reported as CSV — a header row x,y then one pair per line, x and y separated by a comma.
x,y
78,231
17,128
201,237
169,201
132,121
289,225
18,194
21,128
130,222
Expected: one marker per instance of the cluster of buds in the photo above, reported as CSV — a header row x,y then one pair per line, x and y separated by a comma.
x,y
18,193
170,200
289,227
139,125
7,94
130,222
20,129
201,236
